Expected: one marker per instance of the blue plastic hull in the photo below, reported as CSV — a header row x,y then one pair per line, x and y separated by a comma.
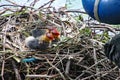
x,y
108,10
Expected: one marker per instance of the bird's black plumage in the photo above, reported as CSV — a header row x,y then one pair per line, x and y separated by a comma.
x,y
32,42
112,49
38,32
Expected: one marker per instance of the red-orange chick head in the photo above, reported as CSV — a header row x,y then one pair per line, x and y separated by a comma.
x,y
55,32
49,36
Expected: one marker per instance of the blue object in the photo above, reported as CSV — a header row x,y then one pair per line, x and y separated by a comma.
x,y
108,11
31,59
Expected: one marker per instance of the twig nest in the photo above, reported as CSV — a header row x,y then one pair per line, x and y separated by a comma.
x,y
68,30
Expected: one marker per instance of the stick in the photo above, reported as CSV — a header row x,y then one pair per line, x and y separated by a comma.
x,y
16,71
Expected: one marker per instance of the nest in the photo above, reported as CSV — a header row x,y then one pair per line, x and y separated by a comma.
x,y
78,55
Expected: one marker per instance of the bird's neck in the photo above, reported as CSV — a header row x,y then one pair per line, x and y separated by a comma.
x,y
45,38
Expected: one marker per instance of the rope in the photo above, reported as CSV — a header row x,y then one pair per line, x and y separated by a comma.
x,y
96,10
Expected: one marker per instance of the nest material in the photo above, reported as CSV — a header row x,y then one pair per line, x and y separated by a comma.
x,y
78,55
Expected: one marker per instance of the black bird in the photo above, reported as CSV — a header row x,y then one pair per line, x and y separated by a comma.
x,y
39,43
112,49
